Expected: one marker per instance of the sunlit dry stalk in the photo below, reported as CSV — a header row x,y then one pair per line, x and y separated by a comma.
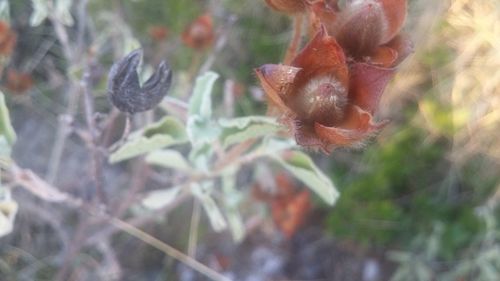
x,y
474,32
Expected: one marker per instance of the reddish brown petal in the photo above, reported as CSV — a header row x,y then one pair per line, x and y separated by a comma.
x,y
287,6
323,56
158,32
322,13
7,39
18,82
357,126
305,135
367,83
297,210
284,185
395,13
403,46
383,56
277,80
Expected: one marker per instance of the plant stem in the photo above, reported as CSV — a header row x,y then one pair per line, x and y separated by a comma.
x,y
298,21
193,233
97,159
168,250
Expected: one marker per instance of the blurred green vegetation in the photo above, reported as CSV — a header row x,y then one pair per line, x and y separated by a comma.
x,y
406,185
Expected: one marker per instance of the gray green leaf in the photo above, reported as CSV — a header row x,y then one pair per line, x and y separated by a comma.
x,y
201,101
166,132
6,128
240,129
302,167
168,158
202,192
158,199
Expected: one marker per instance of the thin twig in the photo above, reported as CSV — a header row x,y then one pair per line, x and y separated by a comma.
x,y
111,269
97,157
168,250
74,249
63,131
137,182
64,128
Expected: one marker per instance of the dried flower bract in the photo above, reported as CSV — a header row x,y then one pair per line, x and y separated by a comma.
x,y
326,102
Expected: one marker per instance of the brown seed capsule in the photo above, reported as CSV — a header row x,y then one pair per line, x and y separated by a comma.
x,y
125,91
365,29
325,102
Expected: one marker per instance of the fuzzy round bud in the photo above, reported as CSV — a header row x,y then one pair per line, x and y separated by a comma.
x,y
322,100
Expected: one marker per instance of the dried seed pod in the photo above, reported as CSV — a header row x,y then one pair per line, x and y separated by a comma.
x,y
125,91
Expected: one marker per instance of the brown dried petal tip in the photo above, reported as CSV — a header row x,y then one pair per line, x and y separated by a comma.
x,y
125,91
287,6
18,82
8,39
158,32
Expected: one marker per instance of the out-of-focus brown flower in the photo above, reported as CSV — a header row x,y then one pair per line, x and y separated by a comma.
x,y
158,32
289,215
200,33
18,82
367,30
7,39
287,6
325,102
289,206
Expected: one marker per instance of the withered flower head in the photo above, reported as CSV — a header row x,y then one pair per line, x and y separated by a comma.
x,y
366,29
18,82
7,39
158,32
200,33
287,6
125,91
325,102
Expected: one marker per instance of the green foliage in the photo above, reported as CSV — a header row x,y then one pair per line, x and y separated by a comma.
x,y
166,132
202,192
238,130
60,10
158,199
302,167
6,130
208,134
8,207
400,192
168,158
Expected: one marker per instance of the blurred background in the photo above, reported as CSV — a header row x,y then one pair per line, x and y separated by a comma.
x,y
419,202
